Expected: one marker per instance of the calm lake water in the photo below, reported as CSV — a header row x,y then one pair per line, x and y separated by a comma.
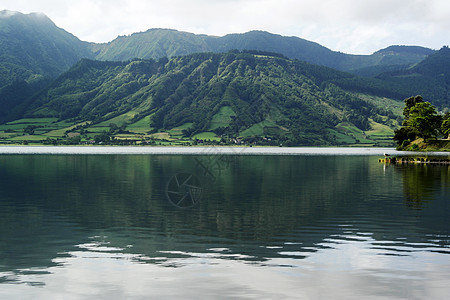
x,y
310,225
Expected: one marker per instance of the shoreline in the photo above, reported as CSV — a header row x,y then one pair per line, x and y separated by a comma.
x,y
210,150
432,159
421,146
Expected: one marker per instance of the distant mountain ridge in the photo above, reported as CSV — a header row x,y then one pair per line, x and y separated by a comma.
x,y
33,47
429,78
157,43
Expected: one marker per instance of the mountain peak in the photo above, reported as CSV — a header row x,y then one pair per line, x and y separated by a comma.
x,y
38,15
8,13
5,14
403,49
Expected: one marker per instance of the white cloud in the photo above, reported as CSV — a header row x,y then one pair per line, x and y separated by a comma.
x,y
351,26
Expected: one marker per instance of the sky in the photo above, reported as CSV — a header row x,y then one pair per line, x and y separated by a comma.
x,y
349,26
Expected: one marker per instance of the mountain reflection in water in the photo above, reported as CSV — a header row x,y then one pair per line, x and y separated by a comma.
x,y
250,226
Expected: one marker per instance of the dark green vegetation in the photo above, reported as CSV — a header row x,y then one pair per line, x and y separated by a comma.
x,y
422,126
259,94
228,98
430,78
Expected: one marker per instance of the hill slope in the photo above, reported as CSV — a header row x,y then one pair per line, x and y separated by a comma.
x,y
233,94
429,78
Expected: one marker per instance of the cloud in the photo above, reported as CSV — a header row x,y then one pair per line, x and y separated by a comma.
x,y
351,26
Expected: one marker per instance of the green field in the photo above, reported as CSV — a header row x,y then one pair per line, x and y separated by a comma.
x,y
161,136
33,121
342,138
347,133
18,130
62,131
206,136
380,131
222,118
98,129
14,127
393,106
4,135
141,126
119,120
177,132
21,124
31,138
354,132
258,129
125,136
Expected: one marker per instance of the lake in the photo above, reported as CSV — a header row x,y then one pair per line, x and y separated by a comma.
x,y
285,223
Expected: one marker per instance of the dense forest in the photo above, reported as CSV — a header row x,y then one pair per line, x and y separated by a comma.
x,y
250,93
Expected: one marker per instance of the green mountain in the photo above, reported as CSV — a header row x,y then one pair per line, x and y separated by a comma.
x,y
234,95
249,92
157,43
33,51
429,78
33,48
152,44
393,58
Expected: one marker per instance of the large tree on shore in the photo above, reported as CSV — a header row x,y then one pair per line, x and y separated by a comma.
x,y
424,120
420,120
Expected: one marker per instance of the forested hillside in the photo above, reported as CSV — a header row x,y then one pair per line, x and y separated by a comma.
x,y
430,78
235,95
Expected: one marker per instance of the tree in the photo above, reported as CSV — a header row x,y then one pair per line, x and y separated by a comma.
x,y
409,104
420,120
102,138
30,129
404,136
445,127
75,140
424,119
